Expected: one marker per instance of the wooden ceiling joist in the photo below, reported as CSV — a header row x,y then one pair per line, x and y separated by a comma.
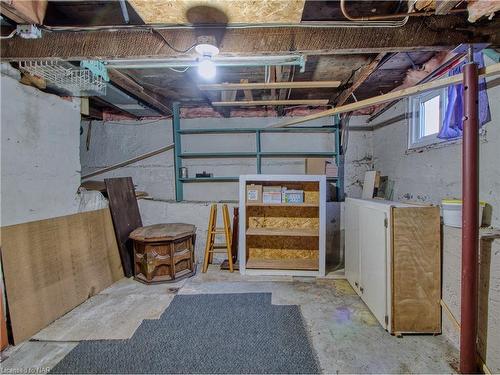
x,y
360,79
270,102
128,84
269,85
432,85
127,44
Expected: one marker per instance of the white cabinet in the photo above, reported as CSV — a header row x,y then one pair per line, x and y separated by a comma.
x,y
392,256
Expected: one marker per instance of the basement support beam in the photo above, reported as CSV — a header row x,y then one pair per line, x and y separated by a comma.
x,y
439,83
142,44
470,220
362,77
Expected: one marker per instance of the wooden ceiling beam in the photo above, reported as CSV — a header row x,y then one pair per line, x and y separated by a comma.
x,y
270,102
248,93
269,85
443,7
128,84
360,79
445,33
490,70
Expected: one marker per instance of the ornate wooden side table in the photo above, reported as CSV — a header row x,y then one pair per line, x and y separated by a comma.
x,y
163,252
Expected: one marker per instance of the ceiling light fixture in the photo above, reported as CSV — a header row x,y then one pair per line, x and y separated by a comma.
x,y
206,64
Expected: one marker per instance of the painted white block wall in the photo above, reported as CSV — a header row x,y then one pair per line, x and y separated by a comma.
x,y
40,163
431,174
113,142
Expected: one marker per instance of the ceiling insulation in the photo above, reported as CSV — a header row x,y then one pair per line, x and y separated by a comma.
x,y
219,11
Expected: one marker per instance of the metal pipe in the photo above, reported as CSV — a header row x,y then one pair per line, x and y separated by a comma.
x,y
470,220
387,17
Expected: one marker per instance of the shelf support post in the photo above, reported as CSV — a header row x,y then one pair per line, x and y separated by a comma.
x,y
176,127
257,143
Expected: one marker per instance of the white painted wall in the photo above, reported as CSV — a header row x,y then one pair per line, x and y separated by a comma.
x,y
431,174
118,141
40,164
114,142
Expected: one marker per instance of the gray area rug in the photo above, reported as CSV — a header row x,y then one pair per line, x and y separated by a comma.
x,y
206,334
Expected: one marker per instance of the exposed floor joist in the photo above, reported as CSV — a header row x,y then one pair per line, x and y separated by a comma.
x,y
269,85
270,102
99,45
361,78
128,84
439,83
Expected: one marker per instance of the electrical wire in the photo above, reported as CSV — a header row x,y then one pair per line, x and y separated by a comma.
x,y
156,32
10,35
149,27
179,71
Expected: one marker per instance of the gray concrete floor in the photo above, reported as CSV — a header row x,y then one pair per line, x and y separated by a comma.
x,y
345,335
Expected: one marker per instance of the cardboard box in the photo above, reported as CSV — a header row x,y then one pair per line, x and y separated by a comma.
x,y
331,170
254,193
271,194
315,165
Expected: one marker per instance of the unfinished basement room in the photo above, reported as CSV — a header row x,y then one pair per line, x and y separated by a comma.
x,y
250,187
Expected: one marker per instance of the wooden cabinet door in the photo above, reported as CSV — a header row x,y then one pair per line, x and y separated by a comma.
x,y
373,256
352,244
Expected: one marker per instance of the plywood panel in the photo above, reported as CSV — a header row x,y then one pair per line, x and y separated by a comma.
x,y
219,11
269,253
283,217
51,266
416,269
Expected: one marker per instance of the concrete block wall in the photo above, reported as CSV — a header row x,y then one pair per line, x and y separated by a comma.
x,y
113,142
432,173
40,162
489,292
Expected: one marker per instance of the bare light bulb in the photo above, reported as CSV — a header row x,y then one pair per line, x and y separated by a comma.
x,y
207,69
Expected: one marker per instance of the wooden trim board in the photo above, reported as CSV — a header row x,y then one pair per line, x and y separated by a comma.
x,y
51,266
436,84
269,85
244,103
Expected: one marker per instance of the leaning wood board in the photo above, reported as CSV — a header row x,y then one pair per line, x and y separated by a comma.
x,y
416,264
126,217
51,266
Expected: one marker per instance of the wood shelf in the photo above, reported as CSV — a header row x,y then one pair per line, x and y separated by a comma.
x,y
289,232
284,264
282,204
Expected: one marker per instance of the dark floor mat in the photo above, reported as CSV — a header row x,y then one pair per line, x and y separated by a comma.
x,y
206,333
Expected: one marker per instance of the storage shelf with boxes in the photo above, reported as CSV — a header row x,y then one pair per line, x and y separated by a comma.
x,y
283,224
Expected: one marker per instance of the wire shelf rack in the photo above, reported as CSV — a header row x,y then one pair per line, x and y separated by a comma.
x,y
74,80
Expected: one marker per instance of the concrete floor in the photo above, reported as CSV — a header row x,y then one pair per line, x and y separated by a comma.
x,y
345,335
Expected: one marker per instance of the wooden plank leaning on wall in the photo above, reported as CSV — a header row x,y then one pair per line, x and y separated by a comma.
x,y
51,266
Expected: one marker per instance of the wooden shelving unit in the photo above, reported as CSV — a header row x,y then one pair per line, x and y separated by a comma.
x,y
283,232
284,264
283,238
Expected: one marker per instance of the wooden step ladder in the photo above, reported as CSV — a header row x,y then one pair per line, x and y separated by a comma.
x,y
211,247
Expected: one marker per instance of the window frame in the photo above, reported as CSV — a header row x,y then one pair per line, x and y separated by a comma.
x,y
415,138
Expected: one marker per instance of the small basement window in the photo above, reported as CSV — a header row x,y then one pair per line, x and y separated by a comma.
x,y
427,111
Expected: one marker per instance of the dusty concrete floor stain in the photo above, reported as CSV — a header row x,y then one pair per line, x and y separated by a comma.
x,y
345,335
